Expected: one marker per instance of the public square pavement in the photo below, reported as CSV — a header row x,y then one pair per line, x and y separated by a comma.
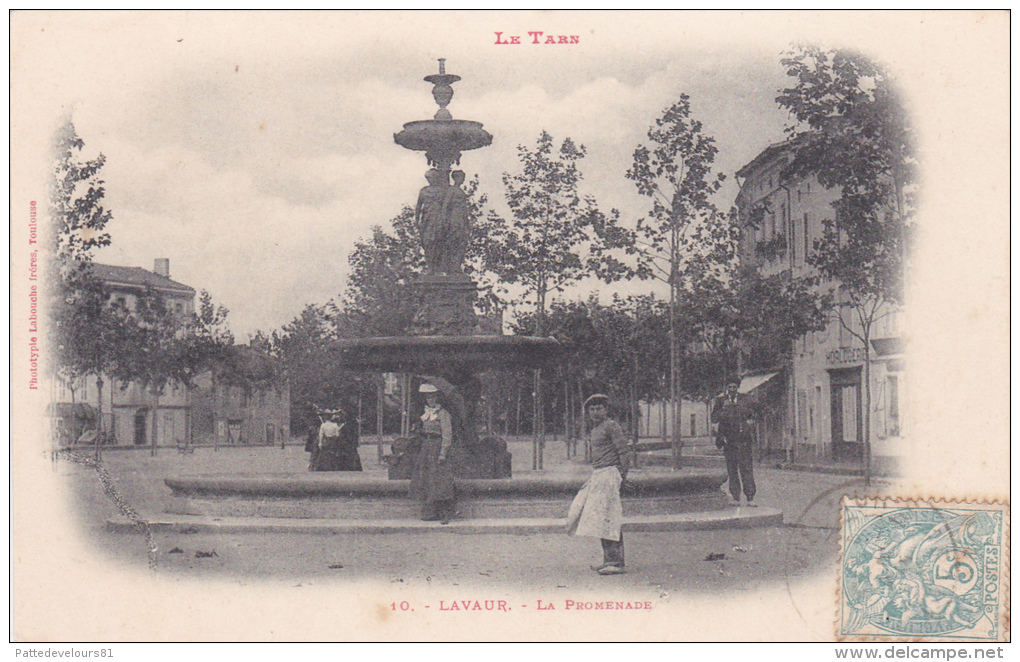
x,y
658,564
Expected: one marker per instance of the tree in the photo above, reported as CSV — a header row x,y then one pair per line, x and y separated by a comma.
x,y
613,349
211,338
157,351
744,320
76,210
379,298
209,347
306,349
86,332
675,172
852,133
554,237
165,347
89,334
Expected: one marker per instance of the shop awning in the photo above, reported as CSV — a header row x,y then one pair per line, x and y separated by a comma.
x,y
888,346
81,410
751,382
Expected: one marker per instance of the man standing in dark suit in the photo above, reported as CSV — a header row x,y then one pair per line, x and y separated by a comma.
x,y
735,437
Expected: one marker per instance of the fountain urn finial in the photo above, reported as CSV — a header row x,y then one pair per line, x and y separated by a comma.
x,y
442,91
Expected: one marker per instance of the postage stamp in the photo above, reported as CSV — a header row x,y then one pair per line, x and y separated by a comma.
x,y
923,571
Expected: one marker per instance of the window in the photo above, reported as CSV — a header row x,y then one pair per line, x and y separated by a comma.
x,y
792,226
807,236
179,308
816,407
694,420
168,428
802,414
893,423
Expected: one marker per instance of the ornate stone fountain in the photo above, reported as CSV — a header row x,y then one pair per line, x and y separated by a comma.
x,y
445,343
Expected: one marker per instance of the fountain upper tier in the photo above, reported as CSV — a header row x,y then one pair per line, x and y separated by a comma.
x,y
443,138
426,135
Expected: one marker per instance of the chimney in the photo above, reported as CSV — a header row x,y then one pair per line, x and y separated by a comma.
x,y
162,267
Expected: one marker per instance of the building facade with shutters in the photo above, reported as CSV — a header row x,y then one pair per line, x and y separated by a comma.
x,y
128,410
232,415
820,396
203,413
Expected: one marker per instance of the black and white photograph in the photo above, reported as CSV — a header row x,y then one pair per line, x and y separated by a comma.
x,y
510,326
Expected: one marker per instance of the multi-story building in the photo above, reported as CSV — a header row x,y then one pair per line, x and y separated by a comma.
x,y
233,415
127,410
820,408
203,413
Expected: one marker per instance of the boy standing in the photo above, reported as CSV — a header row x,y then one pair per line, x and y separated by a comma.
x,y
597,510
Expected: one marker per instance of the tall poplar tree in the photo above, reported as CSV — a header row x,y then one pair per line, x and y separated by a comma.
x,y
553,238
86,333
674,171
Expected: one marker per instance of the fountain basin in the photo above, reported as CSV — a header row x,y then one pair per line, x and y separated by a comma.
x,y
344,496
424,135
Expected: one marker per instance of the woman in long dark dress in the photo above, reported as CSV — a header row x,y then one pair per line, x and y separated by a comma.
x,y
337,444
349,458
432,480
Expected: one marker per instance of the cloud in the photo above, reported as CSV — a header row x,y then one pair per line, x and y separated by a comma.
x,y
255,170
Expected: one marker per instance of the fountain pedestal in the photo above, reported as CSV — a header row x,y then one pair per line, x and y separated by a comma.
x,y
446,306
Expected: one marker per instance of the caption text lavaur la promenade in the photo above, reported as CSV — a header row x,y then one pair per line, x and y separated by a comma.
x,y
33,298
505,606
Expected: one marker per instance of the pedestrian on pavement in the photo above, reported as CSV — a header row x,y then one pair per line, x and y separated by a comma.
x,y
597,511
337,447
432,475
734,436
348,458
315,421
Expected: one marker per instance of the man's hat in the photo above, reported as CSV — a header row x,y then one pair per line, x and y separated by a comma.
x,y
428,388
733,380
597,399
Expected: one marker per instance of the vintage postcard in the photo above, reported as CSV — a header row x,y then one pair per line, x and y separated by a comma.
x,y
510,326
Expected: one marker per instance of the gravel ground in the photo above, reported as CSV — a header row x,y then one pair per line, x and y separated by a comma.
x,y
659,564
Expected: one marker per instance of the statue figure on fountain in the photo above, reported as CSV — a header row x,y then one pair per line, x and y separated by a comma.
x,y
458,225
443,222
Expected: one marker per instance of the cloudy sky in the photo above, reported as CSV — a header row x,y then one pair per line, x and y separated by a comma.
x,y
254,149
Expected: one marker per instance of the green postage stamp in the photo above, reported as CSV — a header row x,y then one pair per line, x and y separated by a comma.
x,y
923,571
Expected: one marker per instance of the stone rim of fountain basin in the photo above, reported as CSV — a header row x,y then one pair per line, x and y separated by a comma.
x,y
345,496
343,483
